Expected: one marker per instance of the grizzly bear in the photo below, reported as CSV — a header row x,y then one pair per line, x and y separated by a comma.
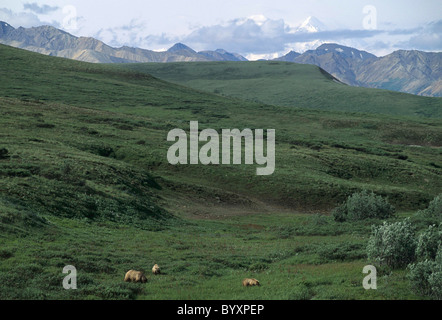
x,y
250,282
156,269
135,276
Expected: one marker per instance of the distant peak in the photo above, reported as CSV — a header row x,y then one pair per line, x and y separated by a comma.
x,y
311,24
292,54
310,19
5,28
330,46
222,51
343,50
289,56
5,25
179,47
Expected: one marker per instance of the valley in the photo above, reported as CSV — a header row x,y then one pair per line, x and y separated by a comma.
x,y
85,179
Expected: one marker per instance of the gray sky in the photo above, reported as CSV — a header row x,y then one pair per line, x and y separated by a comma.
x,y
254,28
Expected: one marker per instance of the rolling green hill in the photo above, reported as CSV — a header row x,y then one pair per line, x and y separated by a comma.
x,y
324,155
289,84
84,180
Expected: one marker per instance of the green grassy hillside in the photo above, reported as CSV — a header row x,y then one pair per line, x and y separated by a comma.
x,y
289,84
321,156
84,180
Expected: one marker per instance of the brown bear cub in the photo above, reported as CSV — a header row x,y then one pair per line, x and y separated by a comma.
x,y
156,269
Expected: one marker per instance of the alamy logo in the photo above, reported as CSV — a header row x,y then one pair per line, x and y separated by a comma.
x,y
70,281
370,281
370,19
231,139
70,19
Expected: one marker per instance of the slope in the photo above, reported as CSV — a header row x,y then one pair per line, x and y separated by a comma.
x,y
121,118
287,84
408,71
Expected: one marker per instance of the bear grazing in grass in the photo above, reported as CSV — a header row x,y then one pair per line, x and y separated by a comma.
x,y
156,269
135,276
250,282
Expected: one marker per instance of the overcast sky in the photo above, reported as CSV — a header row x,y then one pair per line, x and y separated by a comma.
x,y
253,28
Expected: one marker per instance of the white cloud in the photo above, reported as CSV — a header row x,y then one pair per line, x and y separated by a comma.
x,y
259,19
43,9
258,36
430,38
134,34
254,35
269,56
21,19
123,35
301,47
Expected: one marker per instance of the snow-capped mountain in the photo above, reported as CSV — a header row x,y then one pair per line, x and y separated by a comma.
x,y
311,24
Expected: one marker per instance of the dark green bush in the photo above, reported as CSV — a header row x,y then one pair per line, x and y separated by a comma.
x,y
45,125
363,205
428,243
426,276
435,282
4,153
419,276
6,254
434,209
392,244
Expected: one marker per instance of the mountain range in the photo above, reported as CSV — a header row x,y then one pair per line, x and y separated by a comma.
x,y
52,41
409,71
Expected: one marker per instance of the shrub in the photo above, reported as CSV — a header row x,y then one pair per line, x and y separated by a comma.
x,y
426,276
4,153
6,254
435,282
45,125
428,243
419,276
103,150
363,205
434,209
392,244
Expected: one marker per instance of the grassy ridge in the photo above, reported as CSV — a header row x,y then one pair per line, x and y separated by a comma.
x,y
66,168
86,178
321,156
289,84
